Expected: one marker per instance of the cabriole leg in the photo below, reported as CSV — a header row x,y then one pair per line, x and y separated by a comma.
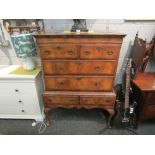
x,y
111,115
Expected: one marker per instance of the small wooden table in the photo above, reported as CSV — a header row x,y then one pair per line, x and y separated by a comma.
x,y
144,93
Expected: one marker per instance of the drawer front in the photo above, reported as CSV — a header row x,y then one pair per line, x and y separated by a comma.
x,y
14,88
60,100
149,111
59,51
18,100
106,51
79,83
18,109
79,67
98,100
150,98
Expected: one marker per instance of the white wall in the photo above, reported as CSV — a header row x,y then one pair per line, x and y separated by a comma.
x,y
146,31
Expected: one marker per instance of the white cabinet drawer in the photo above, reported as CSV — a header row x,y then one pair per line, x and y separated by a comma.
x,y
17,88
19,110
18,100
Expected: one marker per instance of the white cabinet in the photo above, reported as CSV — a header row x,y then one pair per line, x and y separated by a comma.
x,y
21,95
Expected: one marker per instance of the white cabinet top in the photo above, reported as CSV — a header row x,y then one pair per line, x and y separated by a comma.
x,y
5,73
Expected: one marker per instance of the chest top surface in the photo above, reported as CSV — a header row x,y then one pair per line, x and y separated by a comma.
x,y
145,81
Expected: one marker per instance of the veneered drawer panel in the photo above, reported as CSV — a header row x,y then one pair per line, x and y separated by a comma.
x,y
58,51
60,99
149,111
151,98
103,51
79,67
98,100
79,83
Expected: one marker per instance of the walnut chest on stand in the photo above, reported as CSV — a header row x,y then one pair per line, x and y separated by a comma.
x,y
79,70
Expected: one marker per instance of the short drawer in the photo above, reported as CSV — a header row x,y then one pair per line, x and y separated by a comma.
x,y
50,100
103,51
58,51
98,100
99,67
79,83
14,88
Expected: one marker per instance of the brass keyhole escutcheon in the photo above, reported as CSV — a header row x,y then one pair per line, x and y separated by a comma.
x,y
78,78
61,83
58,47
99,48
96,83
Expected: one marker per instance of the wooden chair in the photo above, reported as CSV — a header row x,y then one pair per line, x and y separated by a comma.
x,y
143,83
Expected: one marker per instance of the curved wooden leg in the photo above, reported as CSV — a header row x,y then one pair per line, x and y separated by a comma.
x,y
111,114
48,118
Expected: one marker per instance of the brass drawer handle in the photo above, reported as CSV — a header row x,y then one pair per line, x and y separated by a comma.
x,y
70,52
49,52
97,68
99,48
110,52
87,52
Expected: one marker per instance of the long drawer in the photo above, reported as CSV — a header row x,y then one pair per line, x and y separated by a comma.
x,y
99,67
79,83
82,51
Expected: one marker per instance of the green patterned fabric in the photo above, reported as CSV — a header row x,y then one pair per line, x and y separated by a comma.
x,y
24,45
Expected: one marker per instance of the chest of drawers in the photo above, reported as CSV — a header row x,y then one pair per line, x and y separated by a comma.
x,y
20,95
79,70
144,94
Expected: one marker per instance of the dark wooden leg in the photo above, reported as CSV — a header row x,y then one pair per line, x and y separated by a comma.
x,y
48,118
111,114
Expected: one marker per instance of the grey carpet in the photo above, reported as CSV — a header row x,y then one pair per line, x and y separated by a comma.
x,y
72,122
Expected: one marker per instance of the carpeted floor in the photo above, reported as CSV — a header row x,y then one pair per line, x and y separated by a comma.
x,y
72,122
